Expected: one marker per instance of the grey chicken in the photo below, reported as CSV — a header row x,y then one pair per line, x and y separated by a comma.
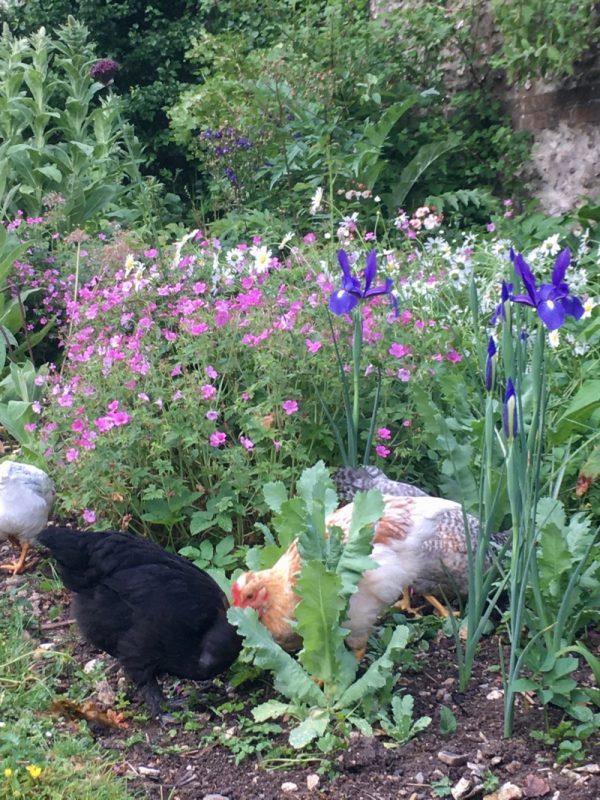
x,y
26,498
350,480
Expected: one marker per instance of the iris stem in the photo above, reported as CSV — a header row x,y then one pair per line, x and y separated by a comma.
x,y
356,358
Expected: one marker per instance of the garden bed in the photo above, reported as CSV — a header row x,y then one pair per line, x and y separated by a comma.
x,y
186,760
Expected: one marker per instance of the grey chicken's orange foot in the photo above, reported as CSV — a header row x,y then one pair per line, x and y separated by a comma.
x,y
18,566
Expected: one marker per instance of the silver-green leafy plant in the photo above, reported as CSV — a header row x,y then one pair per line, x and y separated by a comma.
x,y
60,146
322,689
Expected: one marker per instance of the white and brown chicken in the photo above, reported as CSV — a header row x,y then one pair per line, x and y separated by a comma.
x,y
419,543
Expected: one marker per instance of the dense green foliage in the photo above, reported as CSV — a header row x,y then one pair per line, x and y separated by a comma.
x,y
544,40
60,148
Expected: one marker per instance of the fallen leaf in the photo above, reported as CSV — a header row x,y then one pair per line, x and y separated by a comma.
x,y
90,712
583,484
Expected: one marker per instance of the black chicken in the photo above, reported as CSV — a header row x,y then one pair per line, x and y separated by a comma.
x,y
153,611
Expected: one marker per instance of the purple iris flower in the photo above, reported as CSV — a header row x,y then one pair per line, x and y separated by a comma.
x,y
511,423
552,301
351,292
490,365
500,312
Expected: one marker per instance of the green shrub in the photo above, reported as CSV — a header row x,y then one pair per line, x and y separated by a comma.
x,y
59,148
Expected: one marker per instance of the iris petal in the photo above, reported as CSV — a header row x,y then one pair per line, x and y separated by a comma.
x,y
523,269
342,302
370,271
560,266
552,313
385,288
573,306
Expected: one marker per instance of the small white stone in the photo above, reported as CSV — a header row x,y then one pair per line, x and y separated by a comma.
x,y
149,772
495,694
461,789
92,664
288,787
105,693
312,781
508,791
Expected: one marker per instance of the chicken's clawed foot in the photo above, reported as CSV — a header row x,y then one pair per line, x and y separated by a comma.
x,y
17,567
405,605
441,609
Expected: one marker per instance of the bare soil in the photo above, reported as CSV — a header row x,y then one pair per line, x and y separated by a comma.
x,y
176,762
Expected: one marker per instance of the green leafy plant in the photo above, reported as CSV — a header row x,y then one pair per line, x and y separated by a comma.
x,y
60,147
544,40
448,723
569,739
442,787
402,726
331,571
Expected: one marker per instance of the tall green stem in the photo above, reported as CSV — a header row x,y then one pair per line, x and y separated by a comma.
x,y
356,358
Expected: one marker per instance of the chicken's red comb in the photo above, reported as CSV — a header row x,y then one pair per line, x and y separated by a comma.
x,y
236,594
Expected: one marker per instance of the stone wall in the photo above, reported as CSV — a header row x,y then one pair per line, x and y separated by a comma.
x,y
563,116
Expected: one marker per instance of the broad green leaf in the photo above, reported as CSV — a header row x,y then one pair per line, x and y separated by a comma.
x,y
272,709
361,724
579,534
315,725
289,677
14,415
592,660
524,685
554,557
355,560
448,723
577,413
50,171
318,612
378,673
290,522
220,579
275,495
424,158
378,132
316,489
32,340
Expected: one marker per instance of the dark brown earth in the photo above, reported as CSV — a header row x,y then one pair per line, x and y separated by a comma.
x,y
177,761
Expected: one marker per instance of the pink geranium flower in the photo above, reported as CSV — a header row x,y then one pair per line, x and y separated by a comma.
x,y
399,350
311,346
290,407
207,391
217,439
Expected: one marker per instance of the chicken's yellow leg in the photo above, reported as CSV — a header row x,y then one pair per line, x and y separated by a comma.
x,y
441,609
16,567
359,653
404,603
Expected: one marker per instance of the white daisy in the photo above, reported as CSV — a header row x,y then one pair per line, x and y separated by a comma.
x,y
315,203
262,257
